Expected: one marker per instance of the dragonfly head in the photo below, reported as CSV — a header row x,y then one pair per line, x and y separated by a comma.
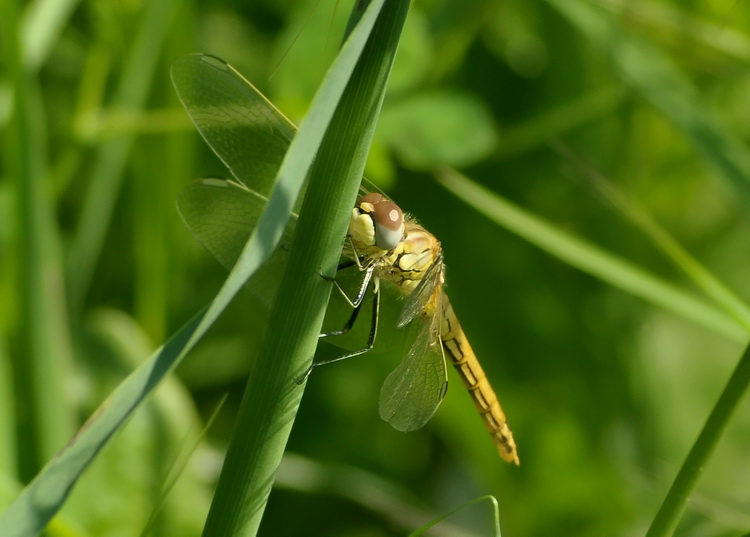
x,y
376,221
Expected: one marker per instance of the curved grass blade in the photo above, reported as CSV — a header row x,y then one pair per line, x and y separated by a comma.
x,y
590,258
30,512
495,516
271,397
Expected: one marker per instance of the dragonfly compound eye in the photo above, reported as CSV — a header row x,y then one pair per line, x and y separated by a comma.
x,y
389,224
384,221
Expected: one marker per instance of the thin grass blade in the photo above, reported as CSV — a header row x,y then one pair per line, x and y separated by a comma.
x,y
592,259
669,246
272,396
668,517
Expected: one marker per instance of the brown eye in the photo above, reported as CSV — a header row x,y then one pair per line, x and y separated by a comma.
x,y
387,219
389,224
388,215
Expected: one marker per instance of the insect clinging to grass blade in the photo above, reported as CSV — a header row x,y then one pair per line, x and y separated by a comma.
x,y
251,137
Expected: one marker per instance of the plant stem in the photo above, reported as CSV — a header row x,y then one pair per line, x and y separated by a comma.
x,y
668,517
271,396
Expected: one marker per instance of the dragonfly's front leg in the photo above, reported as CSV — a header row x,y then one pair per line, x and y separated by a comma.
x,y
347,327
355,303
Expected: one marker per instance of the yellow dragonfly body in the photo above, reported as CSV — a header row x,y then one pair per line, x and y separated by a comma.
x,y
402,252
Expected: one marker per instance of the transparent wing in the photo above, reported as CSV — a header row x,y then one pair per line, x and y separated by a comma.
x,y
413,391
251,136
242,127
417,301
245,130
222,214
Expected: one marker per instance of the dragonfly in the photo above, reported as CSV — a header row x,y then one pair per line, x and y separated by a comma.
x,y
250,135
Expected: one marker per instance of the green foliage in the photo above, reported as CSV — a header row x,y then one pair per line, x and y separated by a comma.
x,y
606,135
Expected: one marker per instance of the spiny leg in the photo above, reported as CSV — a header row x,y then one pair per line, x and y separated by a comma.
x,y
347,327
367,268
356,304
362,288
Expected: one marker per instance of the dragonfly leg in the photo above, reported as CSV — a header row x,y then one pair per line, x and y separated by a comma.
x,y
367,268
349,324
357,301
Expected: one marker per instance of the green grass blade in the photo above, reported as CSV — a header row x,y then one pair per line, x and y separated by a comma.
x,y
43,497
675,503
272,396
592,259
680,257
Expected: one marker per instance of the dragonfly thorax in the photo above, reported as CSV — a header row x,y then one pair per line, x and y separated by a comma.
x,y
411,260
401,252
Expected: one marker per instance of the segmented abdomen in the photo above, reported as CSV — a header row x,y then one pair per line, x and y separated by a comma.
x,y
465,361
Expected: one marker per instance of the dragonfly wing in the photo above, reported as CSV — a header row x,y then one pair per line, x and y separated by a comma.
x,y
222,214
251,136
418,300
243,128
413,391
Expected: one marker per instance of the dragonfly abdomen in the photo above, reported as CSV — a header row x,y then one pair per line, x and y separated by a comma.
x,y
485,400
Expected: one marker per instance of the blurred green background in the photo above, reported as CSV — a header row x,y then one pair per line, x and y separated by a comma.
x,y
604,391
